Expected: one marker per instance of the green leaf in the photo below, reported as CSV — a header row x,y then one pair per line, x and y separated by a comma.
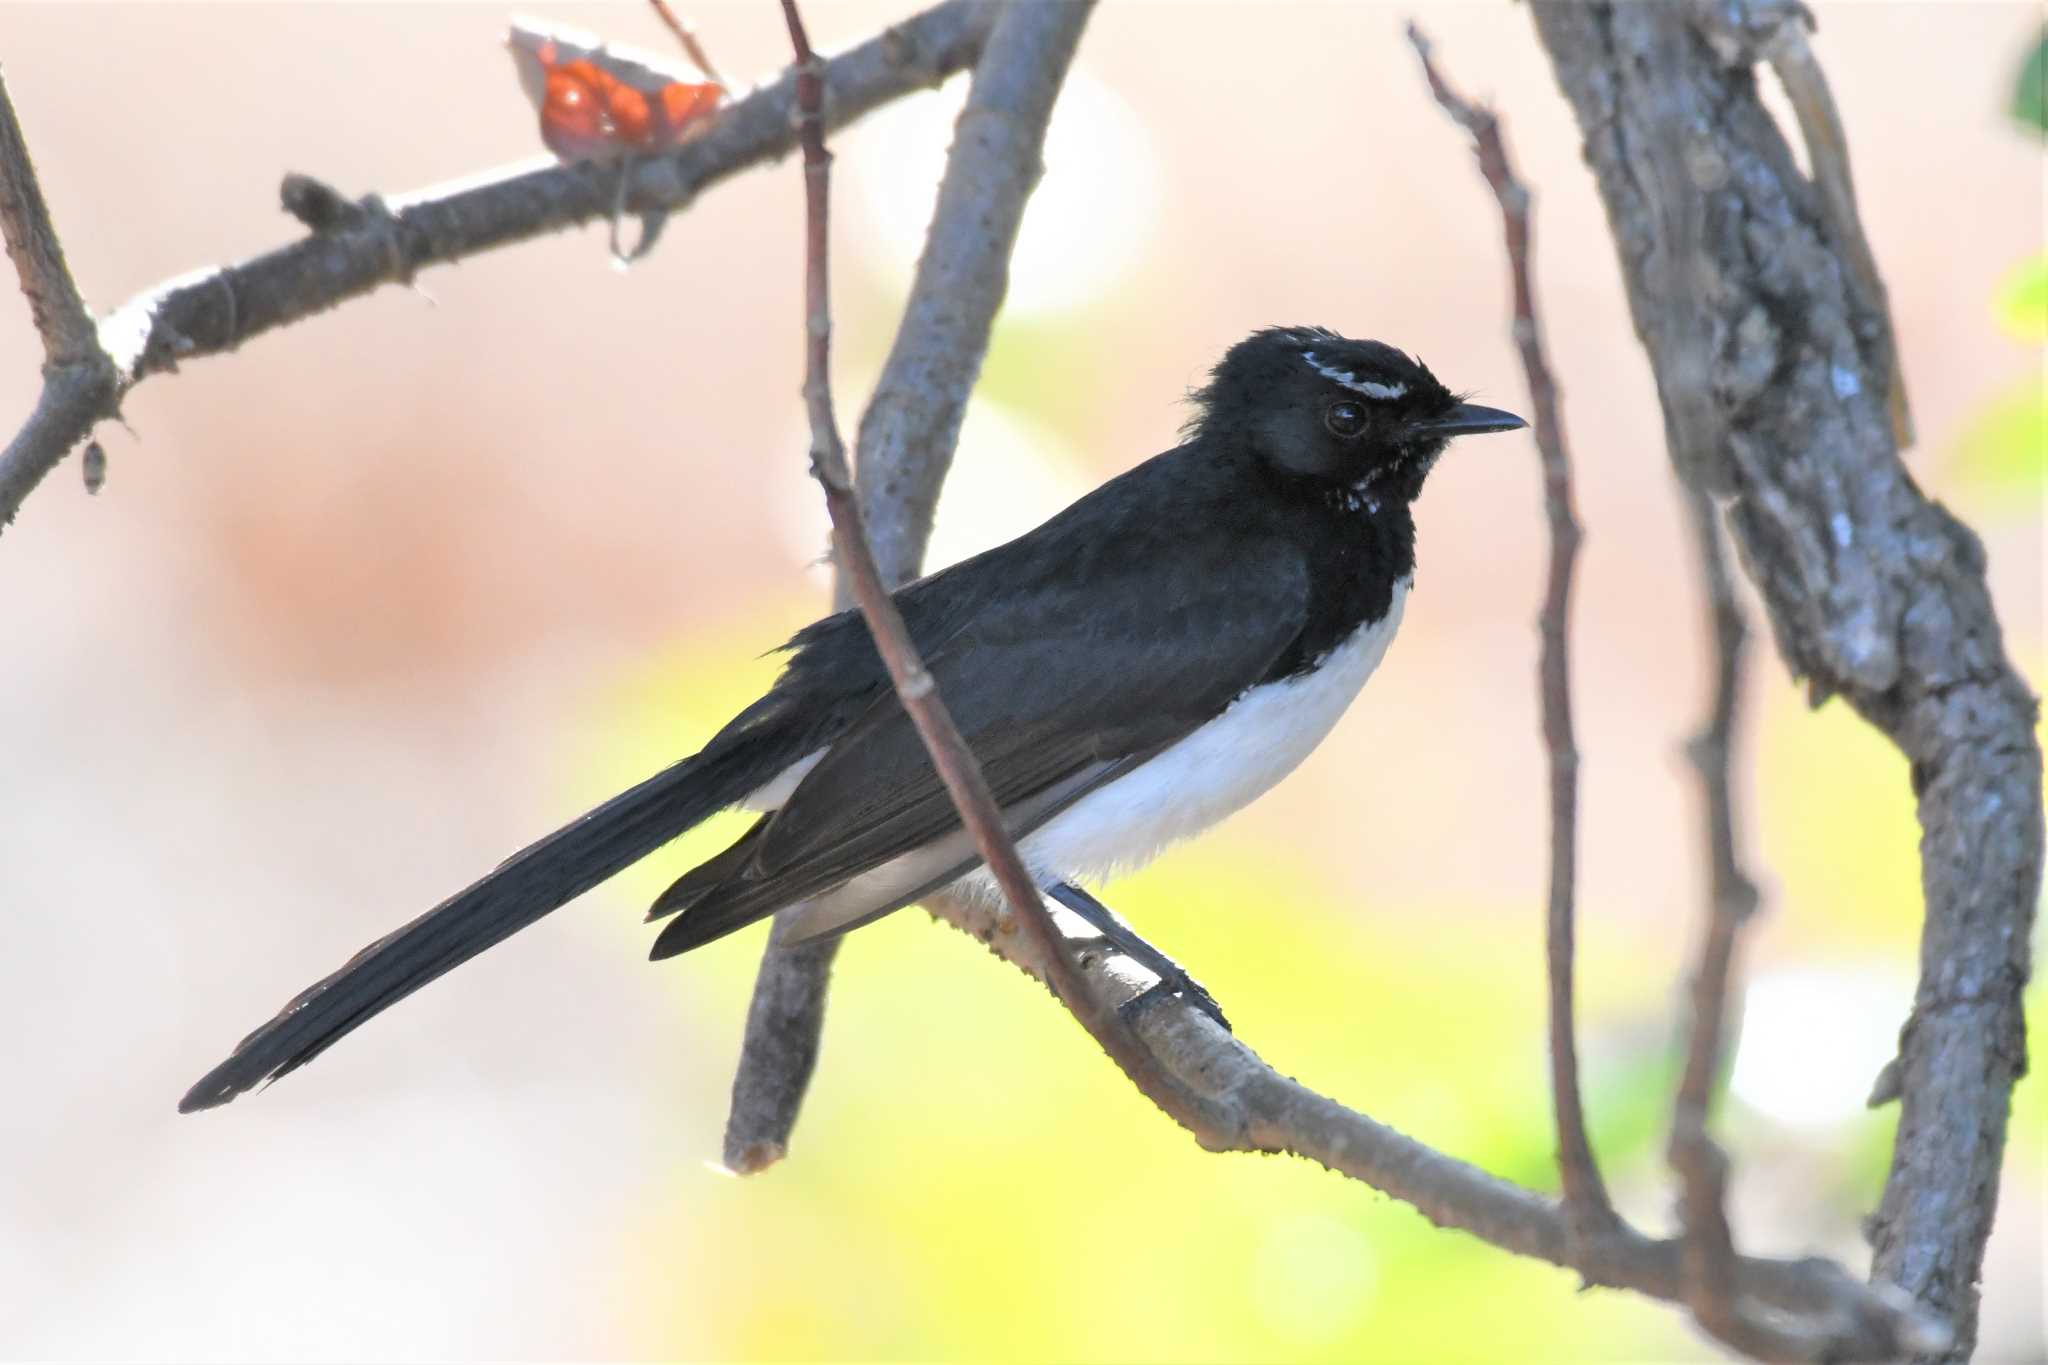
x,y
2030,94
2023,300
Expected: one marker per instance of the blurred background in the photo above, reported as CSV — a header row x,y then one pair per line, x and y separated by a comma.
x,y
368,605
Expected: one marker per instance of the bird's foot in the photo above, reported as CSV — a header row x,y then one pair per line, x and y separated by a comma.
x,y
1166,988
1119,937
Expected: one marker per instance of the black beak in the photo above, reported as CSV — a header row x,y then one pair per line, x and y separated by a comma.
x,y
1470,419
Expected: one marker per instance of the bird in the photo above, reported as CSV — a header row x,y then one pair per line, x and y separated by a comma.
x,y
1131,671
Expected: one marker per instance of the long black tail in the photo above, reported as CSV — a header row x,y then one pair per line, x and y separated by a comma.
x,y
525,887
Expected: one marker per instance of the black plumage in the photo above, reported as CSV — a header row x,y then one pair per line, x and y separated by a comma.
x,y
1070,657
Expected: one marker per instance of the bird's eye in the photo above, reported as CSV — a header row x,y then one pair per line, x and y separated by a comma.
x,y
1344,419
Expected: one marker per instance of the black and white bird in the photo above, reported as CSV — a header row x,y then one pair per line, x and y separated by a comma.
x,y
1129,673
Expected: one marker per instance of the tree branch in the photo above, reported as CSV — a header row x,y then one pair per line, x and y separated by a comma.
x,y
381,242
1585,1196
906,444
1738,275
1775,31
1249,1107
1708,1255
79,381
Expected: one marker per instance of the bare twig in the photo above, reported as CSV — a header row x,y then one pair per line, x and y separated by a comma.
x,y
80,385
954,761
907,439
1873,592
779,1051
1708,1258
214,310
688,38
1585,1196
60,316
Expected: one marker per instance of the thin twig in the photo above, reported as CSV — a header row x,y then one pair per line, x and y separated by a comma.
x,y
60,314
216,309
907,439
688,38
1585,1196
954,761
1708,1257
80,384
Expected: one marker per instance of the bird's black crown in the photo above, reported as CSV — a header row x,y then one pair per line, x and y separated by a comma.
x,y
1358,422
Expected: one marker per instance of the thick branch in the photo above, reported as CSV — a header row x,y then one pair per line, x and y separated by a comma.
x,y
388,243
79,381
907,439
1584,1194
1744,294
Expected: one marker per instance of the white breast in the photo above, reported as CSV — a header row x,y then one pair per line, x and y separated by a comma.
x,y
1263,736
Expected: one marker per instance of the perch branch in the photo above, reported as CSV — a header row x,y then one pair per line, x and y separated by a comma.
x,y
906,443
1253,1108
1585,1196
381,242
79,380
953,760
1873,592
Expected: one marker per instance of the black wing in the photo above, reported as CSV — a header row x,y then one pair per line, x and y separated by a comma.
x,y
1106,657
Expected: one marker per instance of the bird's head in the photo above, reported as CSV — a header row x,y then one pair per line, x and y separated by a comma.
x,y
1358,420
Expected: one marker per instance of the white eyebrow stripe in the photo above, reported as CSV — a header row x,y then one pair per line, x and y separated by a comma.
x,y
1385,392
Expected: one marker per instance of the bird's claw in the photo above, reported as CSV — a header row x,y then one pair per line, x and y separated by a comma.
x,y
1183,987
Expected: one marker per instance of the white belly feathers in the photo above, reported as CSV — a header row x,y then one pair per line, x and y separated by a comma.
x,y
1222,767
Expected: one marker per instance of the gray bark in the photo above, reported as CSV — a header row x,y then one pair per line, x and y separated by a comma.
x,y
1774,367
